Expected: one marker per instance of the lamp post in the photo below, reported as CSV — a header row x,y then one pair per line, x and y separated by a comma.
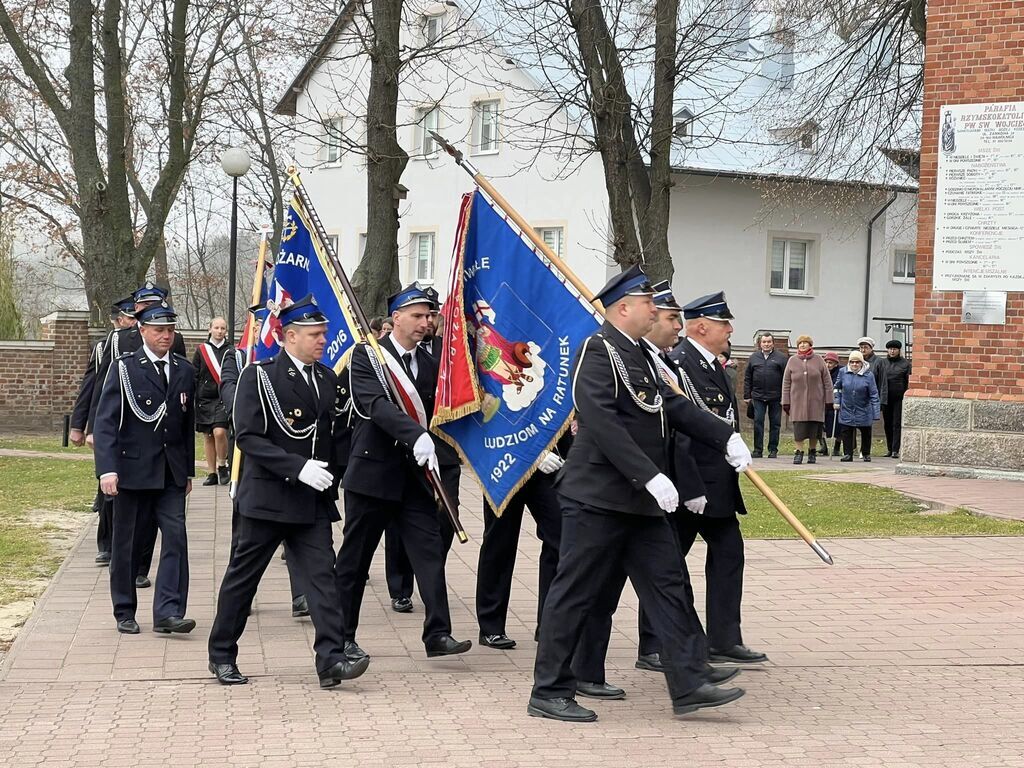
x,y
235,163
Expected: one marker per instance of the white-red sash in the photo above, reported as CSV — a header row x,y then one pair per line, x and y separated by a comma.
x,y
412,403
206,350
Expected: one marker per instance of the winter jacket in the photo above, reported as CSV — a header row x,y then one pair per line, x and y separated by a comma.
x,y
806,388
892,370
762,380
857,396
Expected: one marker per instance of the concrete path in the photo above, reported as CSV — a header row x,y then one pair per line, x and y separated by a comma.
x,y
907,653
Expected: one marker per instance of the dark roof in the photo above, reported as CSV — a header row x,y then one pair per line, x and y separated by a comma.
x,y
286,106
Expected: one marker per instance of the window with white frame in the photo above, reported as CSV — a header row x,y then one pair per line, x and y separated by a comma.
x,y
552,237
427,122
682,127
903,267
334,137
432,28
485,126
423,255
790,261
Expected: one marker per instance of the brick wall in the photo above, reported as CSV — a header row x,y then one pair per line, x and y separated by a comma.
x,y
975,54
39,379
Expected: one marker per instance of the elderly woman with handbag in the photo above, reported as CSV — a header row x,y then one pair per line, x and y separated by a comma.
x,y
806,390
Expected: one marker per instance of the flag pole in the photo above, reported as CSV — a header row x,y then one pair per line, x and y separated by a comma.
x,y
586,293
363,329
251,329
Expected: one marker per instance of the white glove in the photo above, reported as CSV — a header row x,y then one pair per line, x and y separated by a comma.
x,y
696,505
664,492
737,453
314,474
424,452
550,462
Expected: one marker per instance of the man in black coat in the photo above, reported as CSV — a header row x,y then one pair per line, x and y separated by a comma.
x,y
707,334
614,494
283,416
762,388
145,458
122,315
892,374
385,480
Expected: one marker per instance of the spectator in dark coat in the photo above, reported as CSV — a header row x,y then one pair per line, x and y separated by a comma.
x,y
762,388
831,416
892,376
856,398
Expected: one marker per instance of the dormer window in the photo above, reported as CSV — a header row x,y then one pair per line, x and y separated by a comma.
x,y
682,128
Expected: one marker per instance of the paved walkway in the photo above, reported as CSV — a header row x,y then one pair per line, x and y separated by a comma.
x,y
907,653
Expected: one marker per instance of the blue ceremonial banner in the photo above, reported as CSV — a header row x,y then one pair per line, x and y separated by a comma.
x,y
511,327
302,266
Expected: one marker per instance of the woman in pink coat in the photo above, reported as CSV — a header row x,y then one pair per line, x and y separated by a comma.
x,y
806,390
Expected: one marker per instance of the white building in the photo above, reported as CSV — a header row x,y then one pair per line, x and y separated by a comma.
x,y
797,256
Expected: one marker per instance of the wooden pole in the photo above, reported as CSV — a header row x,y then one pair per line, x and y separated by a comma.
x,y
559,264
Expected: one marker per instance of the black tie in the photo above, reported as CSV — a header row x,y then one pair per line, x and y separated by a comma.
x,y
407,359
308,371
160,365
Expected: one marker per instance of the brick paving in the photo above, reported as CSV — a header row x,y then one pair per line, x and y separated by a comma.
x,y
906,653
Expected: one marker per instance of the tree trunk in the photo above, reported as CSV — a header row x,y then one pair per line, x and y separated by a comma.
x,y
377,275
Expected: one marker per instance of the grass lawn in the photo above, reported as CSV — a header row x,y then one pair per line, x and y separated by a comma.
x,y
787,446
38,442
854,510
43,504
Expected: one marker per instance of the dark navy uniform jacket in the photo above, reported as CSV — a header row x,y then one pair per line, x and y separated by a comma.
x,y
722,484
381,462
619,446
269,488
142,454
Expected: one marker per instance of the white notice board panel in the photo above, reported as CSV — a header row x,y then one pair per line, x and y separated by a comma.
x,y
979,198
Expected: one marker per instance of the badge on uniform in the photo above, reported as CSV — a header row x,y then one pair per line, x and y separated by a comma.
x,y
641,394
297,413
703,365
184,401
291,372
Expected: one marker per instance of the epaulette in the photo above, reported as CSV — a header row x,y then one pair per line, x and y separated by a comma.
x,y
264,361
125,355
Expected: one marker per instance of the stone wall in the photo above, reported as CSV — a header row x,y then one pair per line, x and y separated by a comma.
x,y
964,414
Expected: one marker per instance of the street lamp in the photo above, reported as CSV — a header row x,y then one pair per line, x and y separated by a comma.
x,y
235,163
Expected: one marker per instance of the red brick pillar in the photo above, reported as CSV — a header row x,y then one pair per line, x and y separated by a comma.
x,y
69,332
964,413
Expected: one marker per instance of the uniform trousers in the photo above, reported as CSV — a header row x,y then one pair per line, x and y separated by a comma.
x,y
104,507
500,544
723,571
415,516
311,550
398,570
595,545
137,515
295,579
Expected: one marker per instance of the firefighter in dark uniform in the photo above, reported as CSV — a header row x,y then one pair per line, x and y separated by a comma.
x,y
284,416
145,457
501,542
122,315
385,481
614,494
707,334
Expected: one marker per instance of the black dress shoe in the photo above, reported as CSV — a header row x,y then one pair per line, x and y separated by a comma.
x,y
738,654
401,605
343,670
128,627
353,652
887,455
175,624
446,645
798,457
102,558
650,661
895,454
228,674
223,475
211,479
773,454
560,709
599,690
719,675
300,607
500,641
143,582
705,696
847,458
756,454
